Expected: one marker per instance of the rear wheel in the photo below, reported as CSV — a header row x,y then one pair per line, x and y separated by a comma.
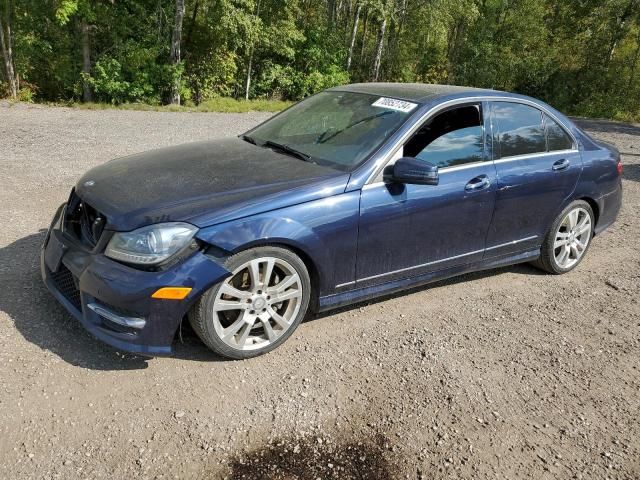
x,y
258,307
568,239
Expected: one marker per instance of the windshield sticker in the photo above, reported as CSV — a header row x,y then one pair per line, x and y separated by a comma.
x,y
394,104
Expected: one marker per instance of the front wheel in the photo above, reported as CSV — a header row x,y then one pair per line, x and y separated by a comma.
x,y
568,239
258,307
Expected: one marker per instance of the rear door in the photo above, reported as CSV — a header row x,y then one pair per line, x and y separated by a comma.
x,y
538,165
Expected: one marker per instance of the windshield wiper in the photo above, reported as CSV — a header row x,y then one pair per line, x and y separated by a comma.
x,y
279,146
287,149
323,139
247,138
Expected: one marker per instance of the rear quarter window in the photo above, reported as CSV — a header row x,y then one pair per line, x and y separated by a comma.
x,y
557,138
520,129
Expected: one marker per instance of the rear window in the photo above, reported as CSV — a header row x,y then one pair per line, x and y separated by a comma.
x,y
520,129
557,138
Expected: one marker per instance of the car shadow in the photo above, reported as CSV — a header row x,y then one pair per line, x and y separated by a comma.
x,y
521,269
631,171
188,346
41,320
607,126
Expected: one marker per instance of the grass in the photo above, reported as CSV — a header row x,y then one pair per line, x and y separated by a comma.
x,y
231,105
222,104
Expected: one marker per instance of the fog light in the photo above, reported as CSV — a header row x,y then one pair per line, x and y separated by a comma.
x,y
172,293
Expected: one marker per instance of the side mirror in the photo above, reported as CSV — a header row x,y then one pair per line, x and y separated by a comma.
x,y
413,171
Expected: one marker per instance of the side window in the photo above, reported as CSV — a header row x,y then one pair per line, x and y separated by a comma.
x,y
520,129
451,138
557,138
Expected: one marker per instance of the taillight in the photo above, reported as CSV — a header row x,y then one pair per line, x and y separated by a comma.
x,y
619,167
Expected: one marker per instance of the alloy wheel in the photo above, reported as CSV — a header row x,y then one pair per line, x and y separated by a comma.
x,y
257,304
572,238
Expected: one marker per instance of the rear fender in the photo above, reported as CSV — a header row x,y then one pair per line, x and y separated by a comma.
x,y
599,182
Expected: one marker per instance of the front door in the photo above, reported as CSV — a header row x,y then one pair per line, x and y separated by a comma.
x,y
408,230
538,167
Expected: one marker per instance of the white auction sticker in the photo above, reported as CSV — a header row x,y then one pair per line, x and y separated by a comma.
x,y
394,104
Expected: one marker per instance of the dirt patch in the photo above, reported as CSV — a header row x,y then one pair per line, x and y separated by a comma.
x,y
313,458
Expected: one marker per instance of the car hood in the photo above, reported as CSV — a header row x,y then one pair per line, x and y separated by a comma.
x,y
203,183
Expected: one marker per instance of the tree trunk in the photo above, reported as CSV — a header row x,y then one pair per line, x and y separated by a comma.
x,y
250,62
248,81
401,20
634,65
377,61
428,39
354,33
338,8
453,46
176,39
87,94
396,25
7,54
365,25
194,16
620,31
331,7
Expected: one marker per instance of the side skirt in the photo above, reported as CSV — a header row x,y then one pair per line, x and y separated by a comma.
x,y
361,294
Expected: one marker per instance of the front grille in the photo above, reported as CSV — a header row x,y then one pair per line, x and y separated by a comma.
x,y
67,285
83,221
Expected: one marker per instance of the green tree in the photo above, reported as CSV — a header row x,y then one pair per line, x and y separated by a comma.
x,y
582,56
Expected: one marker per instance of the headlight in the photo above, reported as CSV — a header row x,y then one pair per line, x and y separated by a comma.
x,y
150,245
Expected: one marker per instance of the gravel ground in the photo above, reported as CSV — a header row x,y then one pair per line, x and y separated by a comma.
x,y
503,374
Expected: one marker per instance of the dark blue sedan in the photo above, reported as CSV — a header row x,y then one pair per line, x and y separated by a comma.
x,y
356,192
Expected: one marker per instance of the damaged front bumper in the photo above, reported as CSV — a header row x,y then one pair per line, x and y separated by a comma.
x,y
113,301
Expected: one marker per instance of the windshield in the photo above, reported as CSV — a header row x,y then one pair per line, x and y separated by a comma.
x,y
338,129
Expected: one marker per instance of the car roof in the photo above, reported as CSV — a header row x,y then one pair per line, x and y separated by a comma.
x,y
433,93
416,92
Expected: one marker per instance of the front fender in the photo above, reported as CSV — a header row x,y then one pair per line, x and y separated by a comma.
x,y
324,230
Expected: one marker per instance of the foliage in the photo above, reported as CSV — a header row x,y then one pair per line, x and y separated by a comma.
x,y
26,94
581,56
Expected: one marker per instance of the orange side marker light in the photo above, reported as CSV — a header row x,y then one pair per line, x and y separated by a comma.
x,y
172,293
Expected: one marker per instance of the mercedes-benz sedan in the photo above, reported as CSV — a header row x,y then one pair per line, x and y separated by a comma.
x,y
353,193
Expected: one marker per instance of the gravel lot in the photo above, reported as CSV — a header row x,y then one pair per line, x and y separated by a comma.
x,y
504,374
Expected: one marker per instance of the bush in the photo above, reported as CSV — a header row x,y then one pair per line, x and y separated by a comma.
x,y
107,81
316,81
285,82
26,94
213,76
135,73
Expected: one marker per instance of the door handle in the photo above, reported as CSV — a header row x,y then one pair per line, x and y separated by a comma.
x,y
562,164
478,183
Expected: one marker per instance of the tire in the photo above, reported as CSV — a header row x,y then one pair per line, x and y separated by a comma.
x,y
555,246
239,318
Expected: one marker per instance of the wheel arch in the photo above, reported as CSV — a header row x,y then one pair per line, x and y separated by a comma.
x,y
308,246
594,206
585,197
